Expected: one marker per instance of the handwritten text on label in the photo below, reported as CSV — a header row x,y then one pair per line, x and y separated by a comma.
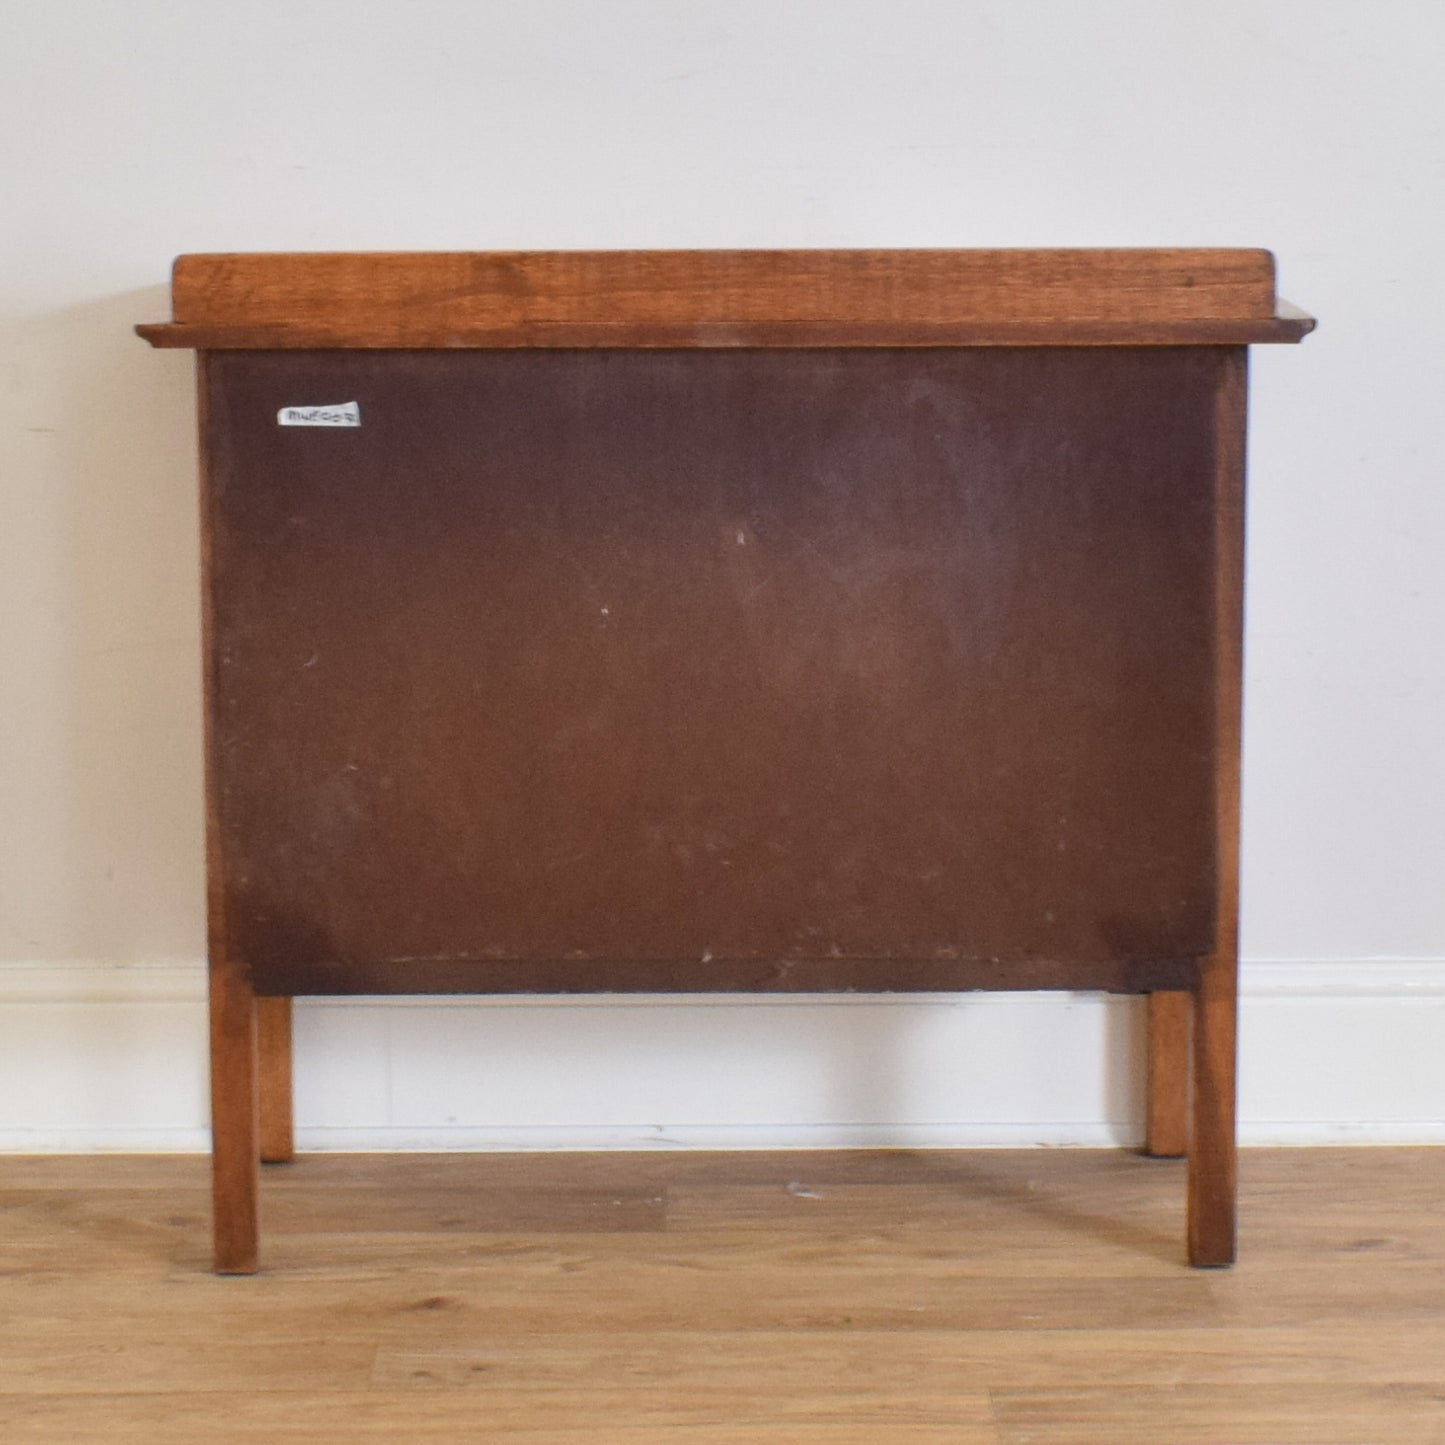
x,y
344,413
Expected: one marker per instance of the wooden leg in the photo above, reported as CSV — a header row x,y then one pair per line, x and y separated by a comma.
x,y
235,1166
273,1029
1216,992
1212,1140
1166,1132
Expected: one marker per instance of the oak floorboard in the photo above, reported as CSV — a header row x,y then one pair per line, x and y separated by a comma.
x,y
602,1418
1317,1414
892,1297
928,1363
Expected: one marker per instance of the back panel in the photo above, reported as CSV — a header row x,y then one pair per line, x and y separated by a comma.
x,y
711,669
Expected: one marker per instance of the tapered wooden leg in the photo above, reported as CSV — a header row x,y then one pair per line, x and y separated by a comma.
x,y
273,1030
235,1144
1212,1138
1166,1106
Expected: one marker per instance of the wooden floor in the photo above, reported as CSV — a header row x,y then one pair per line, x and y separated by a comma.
x,y
882,1298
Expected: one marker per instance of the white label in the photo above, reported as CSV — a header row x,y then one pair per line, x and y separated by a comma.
x,y
344,413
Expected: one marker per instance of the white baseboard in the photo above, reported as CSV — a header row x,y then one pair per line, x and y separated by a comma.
x,y
100,1057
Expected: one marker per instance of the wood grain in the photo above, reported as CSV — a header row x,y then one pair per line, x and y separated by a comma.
x,y
719,336
1322,1414
273,1037
621,287
235,1123
889,1296
1212,1146
1166,1085
235,1101
221,1419
725,298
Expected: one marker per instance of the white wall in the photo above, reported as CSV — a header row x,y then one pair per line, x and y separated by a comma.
x,y
131,132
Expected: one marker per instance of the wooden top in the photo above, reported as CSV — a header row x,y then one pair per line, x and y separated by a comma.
x,y
528,299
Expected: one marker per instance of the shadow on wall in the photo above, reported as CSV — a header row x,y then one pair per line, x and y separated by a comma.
x,y
107,841
993,1061
1126,1041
